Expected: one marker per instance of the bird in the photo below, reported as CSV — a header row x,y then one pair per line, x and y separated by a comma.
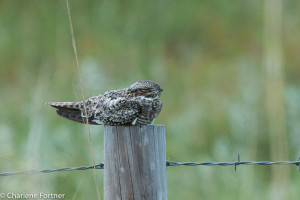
x,y
137,105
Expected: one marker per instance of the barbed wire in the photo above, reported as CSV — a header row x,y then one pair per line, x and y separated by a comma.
x,y
236,163
168,164
33,171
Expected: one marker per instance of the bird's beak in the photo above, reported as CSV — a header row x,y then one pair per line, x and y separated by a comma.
x,y
161,90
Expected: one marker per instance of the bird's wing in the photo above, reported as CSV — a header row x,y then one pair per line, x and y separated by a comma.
x,y
120,111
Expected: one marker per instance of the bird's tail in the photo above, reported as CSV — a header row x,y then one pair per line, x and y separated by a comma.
x,y
66,105
71,111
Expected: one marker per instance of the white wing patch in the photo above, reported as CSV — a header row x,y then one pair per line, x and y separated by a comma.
x,y
97,121
134,122
149,98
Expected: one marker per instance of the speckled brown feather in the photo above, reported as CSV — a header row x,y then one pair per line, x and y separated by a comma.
x,y
136,105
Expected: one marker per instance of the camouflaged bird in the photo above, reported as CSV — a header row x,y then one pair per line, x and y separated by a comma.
x,y
138,104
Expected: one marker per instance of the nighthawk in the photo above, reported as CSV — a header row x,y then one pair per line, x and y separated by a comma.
x,y
138,104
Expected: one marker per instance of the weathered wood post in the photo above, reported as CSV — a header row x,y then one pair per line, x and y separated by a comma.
x,y
135,163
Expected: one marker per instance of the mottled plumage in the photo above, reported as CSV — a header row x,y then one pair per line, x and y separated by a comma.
x,y
138,104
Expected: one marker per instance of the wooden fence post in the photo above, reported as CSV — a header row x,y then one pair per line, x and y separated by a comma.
x,y
135,163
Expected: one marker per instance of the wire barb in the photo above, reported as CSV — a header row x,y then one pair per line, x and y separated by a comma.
x,y
168,162
237,162
298,164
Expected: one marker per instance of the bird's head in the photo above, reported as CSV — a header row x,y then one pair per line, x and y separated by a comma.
x,y
145,88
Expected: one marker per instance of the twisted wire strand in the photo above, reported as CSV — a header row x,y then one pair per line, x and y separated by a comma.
x,y
168,164
171,163
31,172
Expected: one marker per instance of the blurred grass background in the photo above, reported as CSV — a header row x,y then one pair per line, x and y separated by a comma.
x,y
230,73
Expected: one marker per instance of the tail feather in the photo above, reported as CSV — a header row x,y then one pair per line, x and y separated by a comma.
x,y
71,111
72,115
66,105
